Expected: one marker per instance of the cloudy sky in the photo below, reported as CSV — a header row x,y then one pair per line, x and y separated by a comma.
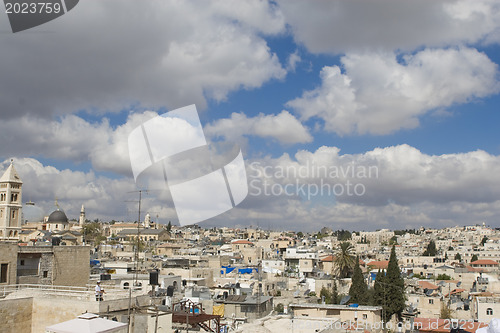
x,y
350,114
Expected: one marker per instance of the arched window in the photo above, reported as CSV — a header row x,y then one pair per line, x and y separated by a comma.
x,y
125,285
489,311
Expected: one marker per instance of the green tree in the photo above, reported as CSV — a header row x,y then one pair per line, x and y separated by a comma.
x,y
335,293
169,226
431,250
327,294
393,240
484,240
379,293
474,258
446,256
279,308
443,277
344,260
458,257
359,289
92,232
342,235
394,287
445,312
300,234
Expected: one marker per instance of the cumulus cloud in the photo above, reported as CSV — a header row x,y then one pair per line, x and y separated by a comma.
x,y
293,60
73,139
283,127
157,53
398,187
377,94
394,187
352,26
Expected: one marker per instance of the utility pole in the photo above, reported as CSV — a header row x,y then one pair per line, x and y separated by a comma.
x,y
136,258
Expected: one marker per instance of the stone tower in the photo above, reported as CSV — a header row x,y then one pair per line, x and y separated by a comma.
x,y
82,216
10,204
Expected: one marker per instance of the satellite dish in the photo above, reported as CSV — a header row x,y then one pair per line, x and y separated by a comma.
x,y
345,299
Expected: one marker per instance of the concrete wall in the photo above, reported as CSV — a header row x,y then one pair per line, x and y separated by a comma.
x,y
15,315
50,311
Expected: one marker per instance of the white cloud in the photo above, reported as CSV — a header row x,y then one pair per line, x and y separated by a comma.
x,y
379,95
158,53
409,189
73,139
352,26
283,127
293,60
406,188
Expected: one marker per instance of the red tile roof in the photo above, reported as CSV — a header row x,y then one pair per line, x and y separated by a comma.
x,y
379,264
327,258
427,285
484,262
444,325
241,241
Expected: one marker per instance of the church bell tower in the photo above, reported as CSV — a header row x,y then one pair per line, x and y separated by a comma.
x,y
10,204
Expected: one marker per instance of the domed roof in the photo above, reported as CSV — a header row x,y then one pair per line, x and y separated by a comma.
x,y
57,216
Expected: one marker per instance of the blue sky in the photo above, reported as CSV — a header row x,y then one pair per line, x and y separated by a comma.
x,y
411,88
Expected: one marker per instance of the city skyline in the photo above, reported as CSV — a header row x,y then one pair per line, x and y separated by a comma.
x,y
316,95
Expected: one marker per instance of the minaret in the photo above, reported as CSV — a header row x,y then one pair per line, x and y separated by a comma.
x,y
82,216
10,204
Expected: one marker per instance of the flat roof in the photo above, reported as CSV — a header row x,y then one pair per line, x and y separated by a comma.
x,y
336,307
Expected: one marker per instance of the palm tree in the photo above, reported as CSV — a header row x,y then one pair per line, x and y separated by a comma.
x,y
344,260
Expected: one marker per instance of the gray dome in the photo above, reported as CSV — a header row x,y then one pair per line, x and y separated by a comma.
x,y
58,216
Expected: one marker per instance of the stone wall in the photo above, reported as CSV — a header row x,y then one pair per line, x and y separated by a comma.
x,y
8,255
15,315
71,266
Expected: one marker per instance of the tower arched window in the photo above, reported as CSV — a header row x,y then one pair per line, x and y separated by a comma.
x,y
489,312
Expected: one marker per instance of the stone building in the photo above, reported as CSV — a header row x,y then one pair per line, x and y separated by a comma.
x,y
10,204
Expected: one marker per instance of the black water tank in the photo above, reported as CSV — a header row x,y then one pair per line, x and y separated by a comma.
x,y
170,291
153,278
105,277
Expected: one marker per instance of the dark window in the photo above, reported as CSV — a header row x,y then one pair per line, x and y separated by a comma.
x,y
3,273
45,274
22,262
489,312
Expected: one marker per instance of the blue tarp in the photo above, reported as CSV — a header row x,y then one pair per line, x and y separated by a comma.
x,y
94,262
244,270
228,269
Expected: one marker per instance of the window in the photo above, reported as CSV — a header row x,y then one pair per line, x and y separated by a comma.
x,y
22,262
431,301
365,316
489,311
3,273
45,274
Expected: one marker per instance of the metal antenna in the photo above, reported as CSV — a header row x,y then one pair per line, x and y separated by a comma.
x,y
136,255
